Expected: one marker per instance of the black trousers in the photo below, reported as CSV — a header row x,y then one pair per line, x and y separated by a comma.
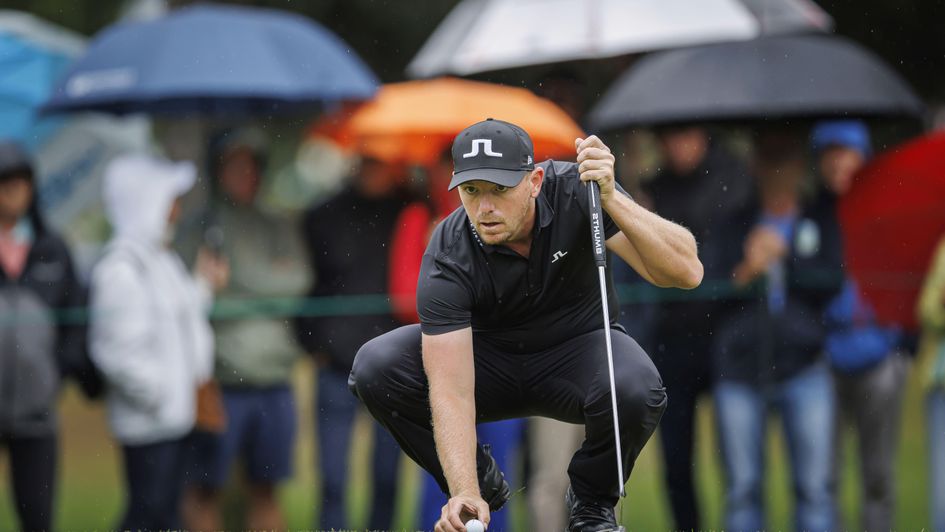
x,y
155,476
683,360
33,475
568,382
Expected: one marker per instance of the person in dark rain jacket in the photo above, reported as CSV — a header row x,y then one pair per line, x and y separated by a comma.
x,y
348,237
699,183
37,345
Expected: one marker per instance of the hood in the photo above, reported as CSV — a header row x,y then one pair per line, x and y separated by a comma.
x,y
14,158
139,191
851,134
226,141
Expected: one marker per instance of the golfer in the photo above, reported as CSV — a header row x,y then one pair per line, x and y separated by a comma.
x,y
510,325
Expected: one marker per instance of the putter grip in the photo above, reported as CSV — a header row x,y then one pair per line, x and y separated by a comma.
x,y
597,224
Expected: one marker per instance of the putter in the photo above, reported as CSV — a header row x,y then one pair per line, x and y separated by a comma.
x,y
600,257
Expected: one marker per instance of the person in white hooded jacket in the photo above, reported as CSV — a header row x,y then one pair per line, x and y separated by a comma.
x,y
150,335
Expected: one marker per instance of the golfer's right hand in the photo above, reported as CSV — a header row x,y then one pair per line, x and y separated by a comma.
x,y
460,509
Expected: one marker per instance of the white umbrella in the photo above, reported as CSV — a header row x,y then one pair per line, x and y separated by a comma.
x,y
484,35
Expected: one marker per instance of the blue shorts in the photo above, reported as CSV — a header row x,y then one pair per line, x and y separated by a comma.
x,y
260,429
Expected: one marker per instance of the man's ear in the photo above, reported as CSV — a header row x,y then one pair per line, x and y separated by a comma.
x,y
536,178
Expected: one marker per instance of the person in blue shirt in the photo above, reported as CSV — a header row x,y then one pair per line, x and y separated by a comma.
x,y
868,367
784,252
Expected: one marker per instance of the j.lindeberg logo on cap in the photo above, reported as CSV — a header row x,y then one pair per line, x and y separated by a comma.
x,y
486,149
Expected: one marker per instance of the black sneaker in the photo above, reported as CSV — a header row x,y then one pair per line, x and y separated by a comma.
x,y
492,485
589,516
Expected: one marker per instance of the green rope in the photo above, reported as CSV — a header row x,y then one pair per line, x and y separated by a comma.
x,y
375,304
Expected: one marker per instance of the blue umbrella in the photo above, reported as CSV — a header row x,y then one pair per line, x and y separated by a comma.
x,y
213,59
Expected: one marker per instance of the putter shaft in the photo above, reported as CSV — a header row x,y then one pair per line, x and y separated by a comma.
x,y
600,258
613,385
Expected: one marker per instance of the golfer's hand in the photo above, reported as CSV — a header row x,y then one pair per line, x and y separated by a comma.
x,y
460,509
762,247
596,163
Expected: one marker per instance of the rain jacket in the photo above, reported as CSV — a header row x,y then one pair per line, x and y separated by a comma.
x,y
348,238
150,335
855,341
757,344
716,189
37,347
267,261
254,343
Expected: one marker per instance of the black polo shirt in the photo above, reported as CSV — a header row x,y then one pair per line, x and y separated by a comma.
x,y
518,304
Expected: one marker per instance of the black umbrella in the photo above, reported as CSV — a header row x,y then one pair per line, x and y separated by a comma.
x,y
795,76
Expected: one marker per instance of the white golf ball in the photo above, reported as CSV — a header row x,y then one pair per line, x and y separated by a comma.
x,y
475,525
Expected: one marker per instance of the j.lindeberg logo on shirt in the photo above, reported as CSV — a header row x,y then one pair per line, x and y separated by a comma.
x,y
558,254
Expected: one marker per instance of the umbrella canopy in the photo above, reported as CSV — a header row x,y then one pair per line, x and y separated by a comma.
x,y
213,59
892,219
33,54
415,121
483,35
814,76
70,153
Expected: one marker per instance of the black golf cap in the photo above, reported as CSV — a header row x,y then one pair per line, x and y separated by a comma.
x,y
494,151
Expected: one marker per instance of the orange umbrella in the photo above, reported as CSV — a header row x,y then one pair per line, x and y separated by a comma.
x,y
416,121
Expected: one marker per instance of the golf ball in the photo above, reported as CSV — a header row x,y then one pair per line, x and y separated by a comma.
x,y
475,525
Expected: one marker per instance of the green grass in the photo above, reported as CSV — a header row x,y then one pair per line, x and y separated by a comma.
x,y
90,495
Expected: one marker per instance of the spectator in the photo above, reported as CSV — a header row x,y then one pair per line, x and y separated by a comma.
x,y
932,369
699,184
551,444
150,336
255,354
768,346
348,237
868,370
566,88
37,282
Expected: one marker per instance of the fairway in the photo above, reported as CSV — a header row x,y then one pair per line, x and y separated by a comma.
x,y
89,491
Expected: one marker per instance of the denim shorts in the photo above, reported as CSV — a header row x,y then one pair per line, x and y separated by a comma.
x,y
260,431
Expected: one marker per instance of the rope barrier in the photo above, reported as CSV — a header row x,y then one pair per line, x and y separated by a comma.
x,y
375,304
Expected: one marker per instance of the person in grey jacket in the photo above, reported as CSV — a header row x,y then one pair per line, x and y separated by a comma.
x,y
255,354
37,347
150,335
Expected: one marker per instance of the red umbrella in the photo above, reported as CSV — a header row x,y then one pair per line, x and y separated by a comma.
x,y
892,219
